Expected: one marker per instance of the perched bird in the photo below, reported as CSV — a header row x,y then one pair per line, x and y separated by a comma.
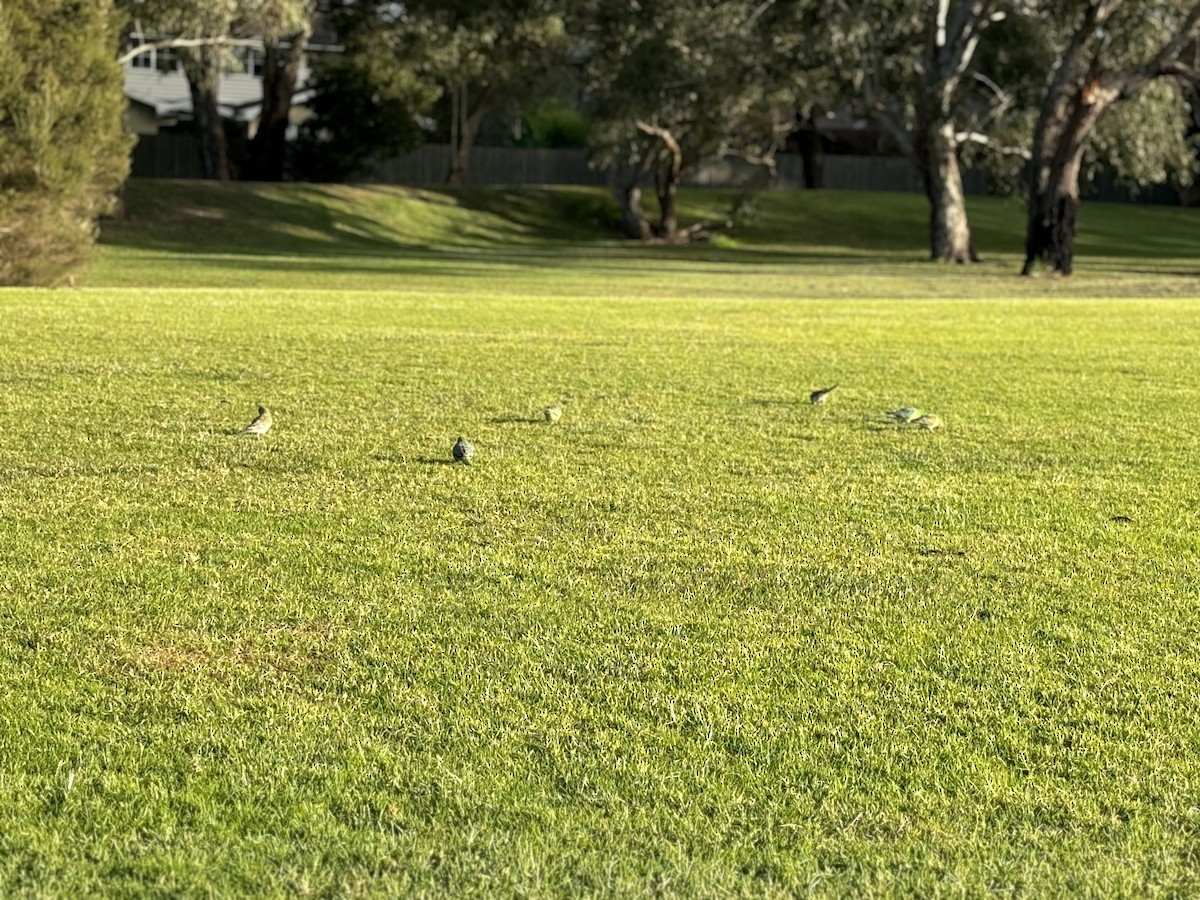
x,y
262,423
822,395
929,421
552,414
907,414
463,451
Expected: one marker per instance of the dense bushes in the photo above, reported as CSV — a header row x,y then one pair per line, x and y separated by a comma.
x,y
63,152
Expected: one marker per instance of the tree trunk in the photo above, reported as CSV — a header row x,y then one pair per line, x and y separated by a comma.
x,y
1050,234
667,188
949,229
805,140
1062,132
667,175
464,132
1080,92
281,69
202,66
633,216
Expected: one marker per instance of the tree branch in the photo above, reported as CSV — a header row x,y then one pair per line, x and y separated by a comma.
x,y
1166,61
976,137
667,138
876,108
169,43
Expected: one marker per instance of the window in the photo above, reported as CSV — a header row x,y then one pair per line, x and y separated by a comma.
x,y
167,59
142,60
254,62
245,61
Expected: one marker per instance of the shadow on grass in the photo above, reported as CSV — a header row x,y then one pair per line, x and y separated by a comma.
x,y
777,401
384,228
485,225
421,460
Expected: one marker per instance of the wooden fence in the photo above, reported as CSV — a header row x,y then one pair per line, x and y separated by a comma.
x,y
175,156
518,165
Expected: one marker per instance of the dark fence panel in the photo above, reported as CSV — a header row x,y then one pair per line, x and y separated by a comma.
x,y
490,166
518,165
165,156
175,156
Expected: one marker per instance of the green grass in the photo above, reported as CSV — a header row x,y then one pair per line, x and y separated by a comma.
x,y
549,242
698,639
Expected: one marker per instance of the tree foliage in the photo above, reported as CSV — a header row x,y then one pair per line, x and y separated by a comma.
x,y
485,55
675,82
62,148
364,106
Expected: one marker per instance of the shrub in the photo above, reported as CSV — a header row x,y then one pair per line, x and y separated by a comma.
x,y
63,151
554,123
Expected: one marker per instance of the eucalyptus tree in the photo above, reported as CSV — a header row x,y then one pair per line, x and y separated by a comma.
x,y
910,66
200,33
482,52
1120,63
676,82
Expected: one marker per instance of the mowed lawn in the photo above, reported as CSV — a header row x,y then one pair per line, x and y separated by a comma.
x,y
699,638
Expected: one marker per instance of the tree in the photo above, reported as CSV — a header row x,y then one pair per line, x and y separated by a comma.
x,y
286,27
62,147
909,66
483,54
1112,53
672,83
364,105
202,65
203,34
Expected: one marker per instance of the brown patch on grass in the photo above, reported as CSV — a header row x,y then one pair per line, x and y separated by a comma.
x,y
287,650
169,658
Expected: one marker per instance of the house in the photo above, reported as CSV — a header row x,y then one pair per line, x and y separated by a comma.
x,y
159,107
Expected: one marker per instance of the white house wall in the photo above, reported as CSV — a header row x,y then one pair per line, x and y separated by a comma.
x,y
238,94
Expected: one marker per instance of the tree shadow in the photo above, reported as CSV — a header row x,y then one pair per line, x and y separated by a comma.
x,y
777,401
437,461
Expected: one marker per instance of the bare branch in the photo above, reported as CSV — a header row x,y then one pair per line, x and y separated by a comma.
x,y
1179,69
1003,99
668,140
975,137
168,43
762,8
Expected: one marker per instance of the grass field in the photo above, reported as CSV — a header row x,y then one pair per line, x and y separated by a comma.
x,y
700,638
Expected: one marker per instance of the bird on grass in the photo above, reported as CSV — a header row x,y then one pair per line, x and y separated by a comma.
x,y
552,414
820,396
906,414
262,423
929,421
463,451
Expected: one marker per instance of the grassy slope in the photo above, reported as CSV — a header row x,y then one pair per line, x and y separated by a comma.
x,y
550,241
700,638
